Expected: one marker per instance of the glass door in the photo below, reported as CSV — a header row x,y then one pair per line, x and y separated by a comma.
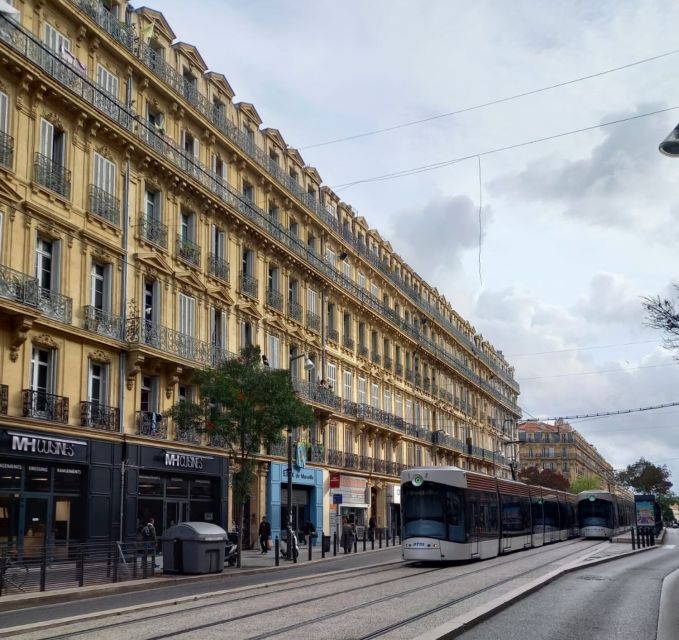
x,y
176,511
35,528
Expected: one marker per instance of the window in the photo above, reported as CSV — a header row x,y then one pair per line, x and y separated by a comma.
x,y
330,257
4,113
398,405
273,278
219,169
104,175
245,333
47,264
187,226
293,174
152,204
97,386
148,401
100,287
248,191
332,436
185,393
361,391
274,352
361,280
294,229
374,290
331,375
43,370
151,306
346,325
293,291
187,315
56,40
190,144
107,81
52,143
387,401
347,386
346,268
217,333
248,263
375,395
312,300
311,242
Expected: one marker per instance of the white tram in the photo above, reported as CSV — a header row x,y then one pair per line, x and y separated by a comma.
x,y
451,514
602,514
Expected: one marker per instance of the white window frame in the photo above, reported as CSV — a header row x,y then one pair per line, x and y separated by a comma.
x,y
187,315
56,40
4,112
347,386
107,81
100,274
103,377
104,174
331,375
273,353
362,391
375,395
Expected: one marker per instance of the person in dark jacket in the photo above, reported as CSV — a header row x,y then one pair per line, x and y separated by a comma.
x,y
372,523
264,534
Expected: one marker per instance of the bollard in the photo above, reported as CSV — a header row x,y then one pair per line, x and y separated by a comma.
x,y
393,537
308,542
322,547
277,551
380,538
334,543
355,544
372,541
633,541
386,538
651,533
363,538
43,569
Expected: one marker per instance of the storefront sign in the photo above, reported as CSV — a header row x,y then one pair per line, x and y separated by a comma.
x,y
44,445
335,480
183,460
299,475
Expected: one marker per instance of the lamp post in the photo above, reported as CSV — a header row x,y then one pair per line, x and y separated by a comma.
x,y
308,366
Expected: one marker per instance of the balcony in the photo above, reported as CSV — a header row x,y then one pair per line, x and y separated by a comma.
x,y
295,311
6,150
362,350
151,424
399,369
316,453
104,323
313,321
99,416
104,205
153,231
44,406
375,357
278,449
218,267
274,299
55,306
187,433
188,250
249,286
348,342
18,287
4,399
335,458
172,342
52,176
333,335
121,31
388,362
316,393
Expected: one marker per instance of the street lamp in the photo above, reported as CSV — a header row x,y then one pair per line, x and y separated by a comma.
x,y
308,366
670,145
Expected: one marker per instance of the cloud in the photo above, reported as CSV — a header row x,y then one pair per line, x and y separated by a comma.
x,y
610,300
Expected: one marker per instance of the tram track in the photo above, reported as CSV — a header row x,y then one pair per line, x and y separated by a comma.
x,y
503,561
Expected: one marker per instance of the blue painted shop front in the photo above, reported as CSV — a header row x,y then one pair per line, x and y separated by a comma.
x,y
307,498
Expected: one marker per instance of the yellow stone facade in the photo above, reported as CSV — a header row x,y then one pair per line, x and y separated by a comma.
x,y
151,226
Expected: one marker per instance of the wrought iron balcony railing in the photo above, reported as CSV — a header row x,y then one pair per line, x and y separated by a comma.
x,y
153,230
187,433
362,350
398,369
104,205
316,393
122,32
333,335
18,286
99,416
387,362
218,267
313,321
316,453
295,311
278,449
52,176
347,342
249,286
4,399
335,458
55,306
44,406
139,331
375,357
151,424
188,250
104,323
274,299
6,150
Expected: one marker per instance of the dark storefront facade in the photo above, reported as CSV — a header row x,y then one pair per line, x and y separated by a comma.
x,y
173,486
57,490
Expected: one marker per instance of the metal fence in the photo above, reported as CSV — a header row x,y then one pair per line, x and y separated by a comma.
x,y
62,566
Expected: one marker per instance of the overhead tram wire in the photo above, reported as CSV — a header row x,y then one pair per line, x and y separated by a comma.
x,y
603,414
487,104
591,373
596,346
446,163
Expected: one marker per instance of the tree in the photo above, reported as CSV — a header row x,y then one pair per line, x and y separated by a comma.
x,y
663,314
666,501
585,483
645,477
243,407
545,478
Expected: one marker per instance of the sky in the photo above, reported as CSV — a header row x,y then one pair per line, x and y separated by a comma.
x,y
547,248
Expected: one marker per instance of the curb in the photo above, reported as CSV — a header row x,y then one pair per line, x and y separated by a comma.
x,y
463,623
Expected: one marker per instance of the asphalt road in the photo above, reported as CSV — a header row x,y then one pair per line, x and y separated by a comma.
x,y
613,601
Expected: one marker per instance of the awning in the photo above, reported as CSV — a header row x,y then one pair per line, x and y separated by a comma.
x,y
8,10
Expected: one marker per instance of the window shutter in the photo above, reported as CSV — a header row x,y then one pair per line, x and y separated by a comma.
x,y
4,113
46,138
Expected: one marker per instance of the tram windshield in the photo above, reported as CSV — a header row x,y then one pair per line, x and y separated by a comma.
x,y
432,510
595,513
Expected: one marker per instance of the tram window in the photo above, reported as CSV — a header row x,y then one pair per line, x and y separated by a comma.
x,y
423,510
515,515
151,486
454,517
10,476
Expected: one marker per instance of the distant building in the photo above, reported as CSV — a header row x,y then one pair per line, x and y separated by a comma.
x,y
562,449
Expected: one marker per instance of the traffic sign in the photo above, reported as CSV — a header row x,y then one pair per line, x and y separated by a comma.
x,y
337,498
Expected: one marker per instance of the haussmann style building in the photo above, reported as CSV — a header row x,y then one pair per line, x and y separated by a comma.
x,y
150,226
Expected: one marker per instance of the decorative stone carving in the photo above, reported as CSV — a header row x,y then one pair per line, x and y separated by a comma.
x,y
21,326
54,119
44,340
100,356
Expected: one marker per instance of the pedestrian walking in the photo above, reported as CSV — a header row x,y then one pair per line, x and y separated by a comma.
x,y
150,538
372,523
348,534
264,534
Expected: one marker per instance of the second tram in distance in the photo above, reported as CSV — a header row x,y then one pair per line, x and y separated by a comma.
x,y
451,514
603,515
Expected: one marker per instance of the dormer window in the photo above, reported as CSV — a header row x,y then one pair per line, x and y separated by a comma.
x,y
273,156
190,86
294,175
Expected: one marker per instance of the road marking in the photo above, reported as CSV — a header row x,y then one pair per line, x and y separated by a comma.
x,y
669,546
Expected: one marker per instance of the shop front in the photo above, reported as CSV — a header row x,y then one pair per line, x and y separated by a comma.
x,y
172,486
56,490
307,498
350,497
394,508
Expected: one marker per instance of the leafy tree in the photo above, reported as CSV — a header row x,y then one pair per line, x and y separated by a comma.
x,y
585,483
645,477
243,406
666,501
544,478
